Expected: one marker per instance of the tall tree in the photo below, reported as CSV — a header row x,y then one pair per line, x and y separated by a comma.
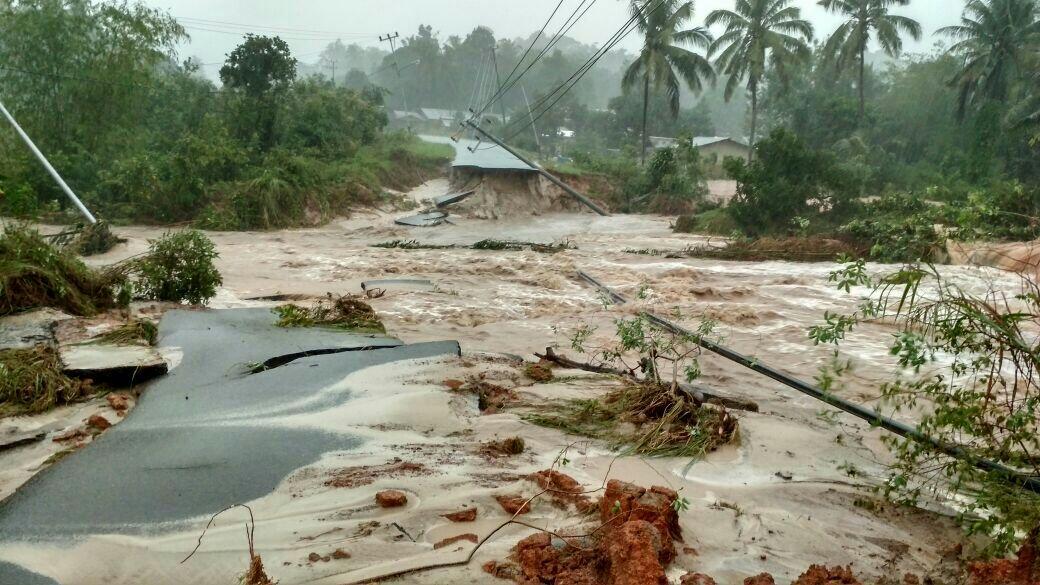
x,y
262,68
662,57
759,34
995,39
848,44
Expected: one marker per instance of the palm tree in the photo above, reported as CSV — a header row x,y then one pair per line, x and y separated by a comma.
x,y
850,40
758,33
994,38
662,56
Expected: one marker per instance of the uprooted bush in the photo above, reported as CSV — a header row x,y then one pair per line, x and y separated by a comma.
x,y
342,312
652,413
645,419
33,273
32,381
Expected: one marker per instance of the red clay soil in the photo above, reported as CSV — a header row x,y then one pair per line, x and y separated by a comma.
x,y
351,477
563,489
760,579
453,539
391,499
98,422
632,546
1025,570
462,516
514,504
821,575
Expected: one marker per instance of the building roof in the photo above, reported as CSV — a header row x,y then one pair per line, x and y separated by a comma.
x,y
402,114
699,141
438,114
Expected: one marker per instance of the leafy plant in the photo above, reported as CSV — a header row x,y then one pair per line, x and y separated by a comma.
x,y
973,382
179,268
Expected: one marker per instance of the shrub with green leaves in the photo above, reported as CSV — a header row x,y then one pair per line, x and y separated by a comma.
x,y
179,268
970,374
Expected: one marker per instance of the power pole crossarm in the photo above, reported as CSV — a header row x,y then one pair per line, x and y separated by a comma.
x,y
47,165
552,179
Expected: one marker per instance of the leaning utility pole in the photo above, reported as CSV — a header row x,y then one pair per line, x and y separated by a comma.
x,y
498,80
47,165
552,179
391,38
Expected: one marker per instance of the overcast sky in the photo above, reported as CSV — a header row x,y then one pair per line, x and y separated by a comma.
x,y
308,25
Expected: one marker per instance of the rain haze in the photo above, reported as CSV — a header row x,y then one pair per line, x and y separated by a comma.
x,y
216,27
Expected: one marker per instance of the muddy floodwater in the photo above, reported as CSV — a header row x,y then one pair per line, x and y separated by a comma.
x,y
792,490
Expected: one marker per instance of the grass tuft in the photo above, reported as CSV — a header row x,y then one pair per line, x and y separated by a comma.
x,y
340,312
133,332
32,381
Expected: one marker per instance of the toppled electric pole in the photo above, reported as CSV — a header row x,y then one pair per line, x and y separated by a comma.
x,y
581,198
47,165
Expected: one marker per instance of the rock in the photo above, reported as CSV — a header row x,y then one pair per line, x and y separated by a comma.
x,y
514,505
391,499
821,575
463,516
564,489
340,554
506,571
635,555
454,384
696,579
539,372
314,557
453,539
118,402
98,422
760,579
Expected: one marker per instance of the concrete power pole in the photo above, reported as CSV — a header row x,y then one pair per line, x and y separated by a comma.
x,y
47,165
392,38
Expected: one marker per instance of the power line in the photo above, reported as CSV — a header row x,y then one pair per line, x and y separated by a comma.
x,y
222,24
564,88
565,28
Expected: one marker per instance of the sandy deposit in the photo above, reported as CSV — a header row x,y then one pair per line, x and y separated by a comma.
x,y
778,500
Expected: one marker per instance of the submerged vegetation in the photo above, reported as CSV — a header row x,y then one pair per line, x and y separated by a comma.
x,y
341,312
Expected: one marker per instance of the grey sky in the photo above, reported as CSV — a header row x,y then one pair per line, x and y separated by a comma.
x,y
314,23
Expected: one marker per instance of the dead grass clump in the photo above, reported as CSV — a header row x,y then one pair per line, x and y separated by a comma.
x,y
539,372
504,447
35,274
797,249
133,332
645,419
32,381
96,238
343,312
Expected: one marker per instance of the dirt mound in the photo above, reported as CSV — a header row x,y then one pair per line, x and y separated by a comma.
x,y
632,545
352,477
821,575
1024,570
563,489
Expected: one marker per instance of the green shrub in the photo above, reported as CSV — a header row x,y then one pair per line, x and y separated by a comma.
x,y
178,268
786,180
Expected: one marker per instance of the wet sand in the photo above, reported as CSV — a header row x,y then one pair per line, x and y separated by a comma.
x,y
778,500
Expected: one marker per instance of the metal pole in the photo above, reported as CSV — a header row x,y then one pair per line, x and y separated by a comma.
x,y
537,140
47,165
874,417
583,199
